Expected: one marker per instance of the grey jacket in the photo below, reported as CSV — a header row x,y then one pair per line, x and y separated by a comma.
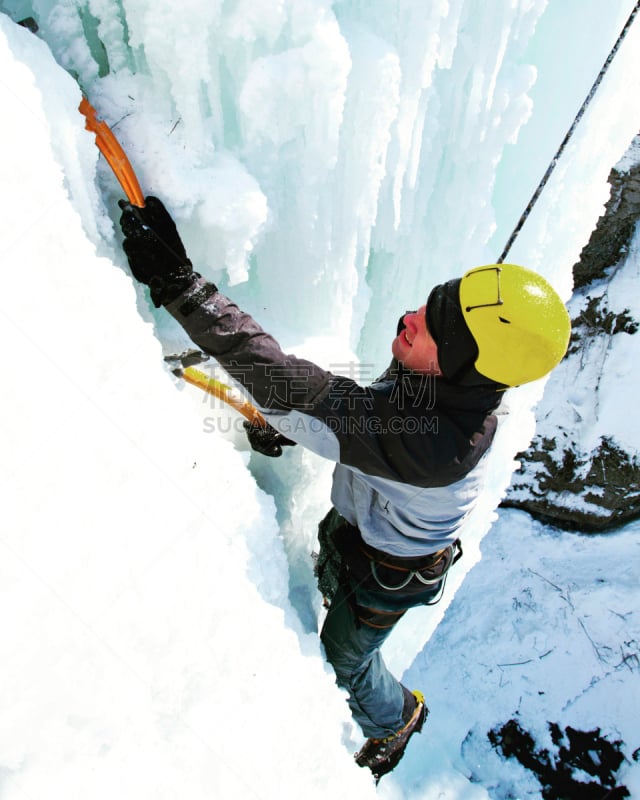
x,y
409,449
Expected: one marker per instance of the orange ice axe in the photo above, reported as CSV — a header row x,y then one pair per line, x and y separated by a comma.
x,y
111,149
117,159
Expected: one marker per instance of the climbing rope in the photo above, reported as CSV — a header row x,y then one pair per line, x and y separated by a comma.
x,y
568,136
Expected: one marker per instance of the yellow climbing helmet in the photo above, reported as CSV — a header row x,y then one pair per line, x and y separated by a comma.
x,y
518,321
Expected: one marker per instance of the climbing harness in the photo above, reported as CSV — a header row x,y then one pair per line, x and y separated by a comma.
x,y
569,134
345,558
432,570
435,569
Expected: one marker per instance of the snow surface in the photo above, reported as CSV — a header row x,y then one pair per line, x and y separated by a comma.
x,y
579,411
322,160
591,410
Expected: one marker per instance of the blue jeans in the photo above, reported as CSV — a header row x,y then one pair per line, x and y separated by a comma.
x,y
352,646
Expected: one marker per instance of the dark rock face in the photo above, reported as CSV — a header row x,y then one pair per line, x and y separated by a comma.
x,y
606,482
557,481
609,242
583,765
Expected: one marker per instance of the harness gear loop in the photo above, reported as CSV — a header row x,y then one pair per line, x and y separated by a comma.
x,y
451,554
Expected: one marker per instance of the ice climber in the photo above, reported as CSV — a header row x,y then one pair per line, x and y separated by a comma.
x,y
409,449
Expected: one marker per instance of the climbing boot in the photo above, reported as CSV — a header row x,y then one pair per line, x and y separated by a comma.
x,y
382,755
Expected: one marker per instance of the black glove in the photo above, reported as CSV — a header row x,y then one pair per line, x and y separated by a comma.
x,y
266,440
155,251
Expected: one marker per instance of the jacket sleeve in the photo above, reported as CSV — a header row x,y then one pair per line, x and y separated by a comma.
x,y
365,428
275,380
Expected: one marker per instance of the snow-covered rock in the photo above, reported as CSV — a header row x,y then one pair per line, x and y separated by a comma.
x,y
583,468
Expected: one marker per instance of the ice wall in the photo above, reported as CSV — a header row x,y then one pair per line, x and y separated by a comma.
x,y
148,646
322,161
328,162
333,150
343,151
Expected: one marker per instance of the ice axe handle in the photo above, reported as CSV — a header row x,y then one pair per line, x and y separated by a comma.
x,y
111,149
213,387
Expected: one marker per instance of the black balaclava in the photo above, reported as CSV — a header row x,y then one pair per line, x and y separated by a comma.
x,y
457,349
